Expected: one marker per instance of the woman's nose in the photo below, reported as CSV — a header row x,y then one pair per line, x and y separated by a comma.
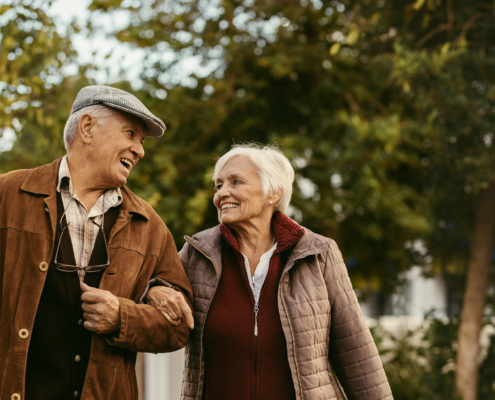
x,y
223,192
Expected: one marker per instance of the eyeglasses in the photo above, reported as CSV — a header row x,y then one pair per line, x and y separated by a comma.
x,y
76,268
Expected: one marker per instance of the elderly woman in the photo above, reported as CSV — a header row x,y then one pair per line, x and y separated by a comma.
x,y
276,317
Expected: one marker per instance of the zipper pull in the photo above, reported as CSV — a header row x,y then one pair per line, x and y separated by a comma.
x,y
256,310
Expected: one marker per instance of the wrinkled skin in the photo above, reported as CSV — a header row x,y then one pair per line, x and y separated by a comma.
x,y
101,310
171,303
95,166
237,183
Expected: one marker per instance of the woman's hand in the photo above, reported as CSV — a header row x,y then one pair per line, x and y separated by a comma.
x,y
171,303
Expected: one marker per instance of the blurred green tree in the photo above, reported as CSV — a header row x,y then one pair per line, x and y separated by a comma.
x,y
265,73
443,62
385,109
36,93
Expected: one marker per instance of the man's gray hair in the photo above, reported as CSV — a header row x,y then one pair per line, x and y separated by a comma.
x,y
98,111
274,169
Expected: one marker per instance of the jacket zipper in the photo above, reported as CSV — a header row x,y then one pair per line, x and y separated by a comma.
x,y
198,396
256,310
293,339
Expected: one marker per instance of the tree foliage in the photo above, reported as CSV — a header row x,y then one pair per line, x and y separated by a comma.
x,y
384,108
37,95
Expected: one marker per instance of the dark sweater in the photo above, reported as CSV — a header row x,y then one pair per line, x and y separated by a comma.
x,y
239,365
58,337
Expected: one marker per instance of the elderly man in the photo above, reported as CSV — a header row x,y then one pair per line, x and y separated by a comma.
x,y
77,250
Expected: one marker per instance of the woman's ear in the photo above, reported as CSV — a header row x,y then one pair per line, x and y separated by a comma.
x,y
86,127
275,198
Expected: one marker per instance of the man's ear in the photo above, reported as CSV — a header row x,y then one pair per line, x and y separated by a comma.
x,y
86,127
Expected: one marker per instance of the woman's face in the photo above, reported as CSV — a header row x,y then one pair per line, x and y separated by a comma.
x,y
239,197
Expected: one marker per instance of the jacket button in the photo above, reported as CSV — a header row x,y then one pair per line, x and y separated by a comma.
x,y
15,396
77,358
23,334
76,394
43,267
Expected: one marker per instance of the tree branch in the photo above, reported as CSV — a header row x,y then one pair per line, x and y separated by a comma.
x,y
450,12
467,26
433,32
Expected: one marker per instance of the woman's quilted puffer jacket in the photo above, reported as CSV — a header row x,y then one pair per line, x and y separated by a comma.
x,y
331,352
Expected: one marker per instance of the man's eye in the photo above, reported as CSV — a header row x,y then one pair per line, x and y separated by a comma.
x,y
131,133
218,187
236,181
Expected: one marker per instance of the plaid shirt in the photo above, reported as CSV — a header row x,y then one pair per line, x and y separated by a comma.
x,y
81,228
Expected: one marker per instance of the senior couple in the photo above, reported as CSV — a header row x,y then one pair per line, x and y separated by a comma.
x,y
89,275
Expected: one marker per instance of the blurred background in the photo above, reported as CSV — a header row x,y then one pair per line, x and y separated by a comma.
x,y
385,108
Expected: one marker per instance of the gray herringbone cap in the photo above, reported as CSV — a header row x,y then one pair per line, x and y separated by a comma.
x,y
116,98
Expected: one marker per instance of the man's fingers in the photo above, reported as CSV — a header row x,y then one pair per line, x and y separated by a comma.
x,y
89,326
186,311
91,297
89,307
88,317
87,288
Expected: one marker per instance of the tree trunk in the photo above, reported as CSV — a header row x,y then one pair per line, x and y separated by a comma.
x,y
475,296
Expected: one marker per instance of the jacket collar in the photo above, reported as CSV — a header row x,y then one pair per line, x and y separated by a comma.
x,y
43,181
287,232
209,242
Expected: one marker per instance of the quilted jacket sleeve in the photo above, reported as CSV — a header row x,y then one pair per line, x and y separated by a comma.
x,y
352,352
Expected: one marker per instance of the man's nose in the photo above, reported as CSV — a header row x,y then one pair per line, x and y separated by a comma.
x,y
138,150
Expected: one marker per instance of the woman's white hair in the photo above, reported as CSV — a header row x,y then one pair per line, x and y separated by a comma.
x,y
274,169
100,112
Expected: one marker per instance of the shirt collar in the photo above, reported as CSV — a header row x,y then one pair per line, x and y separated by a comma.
x,y
113,197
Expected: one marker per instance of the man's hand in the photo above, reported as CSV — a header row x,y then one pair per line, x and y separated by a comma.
x,y
171,303
101,310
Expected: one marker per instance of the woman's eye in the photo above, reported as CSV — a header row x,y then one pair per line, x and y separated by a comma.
x,y
131,133
218,187
236,181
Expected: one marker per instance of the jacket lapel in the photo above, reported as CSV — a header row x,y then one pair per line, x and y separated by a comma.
x,y
43,181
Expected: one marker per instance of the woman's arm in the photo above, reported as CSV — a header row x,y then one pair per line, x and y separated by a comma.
x,y
353,352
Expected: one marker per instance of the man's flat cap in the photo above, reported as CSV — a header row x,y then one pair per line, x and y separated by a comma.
x,y
116,98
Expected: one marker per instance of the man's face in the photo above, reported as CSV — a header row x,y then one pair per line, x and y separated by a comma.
x,y
116,147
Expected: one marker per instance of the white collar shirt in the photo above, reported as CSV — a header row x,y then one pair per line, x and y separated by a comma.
x,y
257,280
82,230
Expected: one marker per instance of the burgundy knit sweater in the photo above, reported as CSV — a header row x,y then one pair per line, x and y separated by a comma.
x,y
238,364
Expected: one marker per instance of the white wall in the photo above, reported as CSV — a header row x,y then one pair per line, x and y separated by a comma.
x,y
163,375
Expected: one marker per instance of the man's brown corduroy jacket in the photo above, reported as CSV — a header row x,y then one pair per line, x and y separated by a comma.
x,y
321,318
140,247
